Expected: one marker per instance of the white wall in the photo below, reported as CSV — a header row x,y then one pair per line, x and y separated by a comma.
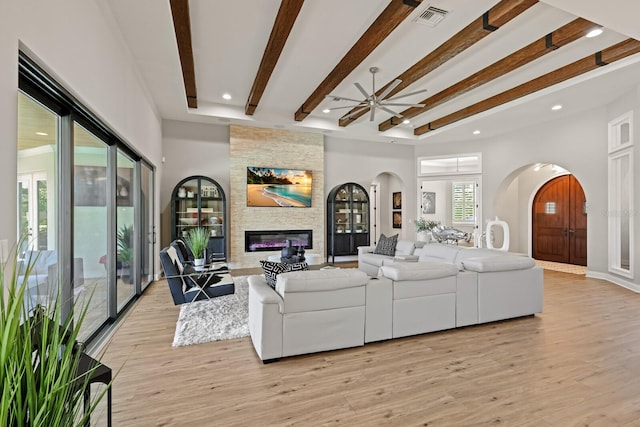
x,y
578,143
191,149
88,57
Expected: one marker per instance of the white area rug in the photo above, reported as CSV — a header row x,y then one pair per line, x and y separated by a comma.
x,y
222,318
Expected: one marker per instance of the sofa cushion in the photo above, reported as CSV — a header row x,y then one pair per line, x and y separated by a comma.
x,y
418,271
386,245
498,263
320,280
439,252
373,259
405,247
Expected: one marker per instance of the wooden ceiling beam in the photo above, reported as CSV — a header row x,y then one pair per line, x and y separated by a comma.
x,y
182,28
484,25
599,59
392,16
282,26
564,35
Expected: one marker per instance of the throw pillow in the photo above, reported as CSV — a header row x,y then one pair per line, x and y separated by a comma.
x,y
271,270
296,266
386,245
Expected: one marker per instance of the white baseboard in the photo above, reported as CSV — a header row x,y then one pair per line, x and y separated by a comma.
x,y
615,280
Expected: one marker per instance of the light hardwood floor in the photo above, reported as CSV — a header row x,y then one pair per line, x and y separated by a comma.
x,y
578,363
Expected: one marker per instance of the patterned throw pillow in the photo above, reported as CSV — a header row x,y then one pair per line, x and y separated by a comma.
x,y
386,245
271,270
296,266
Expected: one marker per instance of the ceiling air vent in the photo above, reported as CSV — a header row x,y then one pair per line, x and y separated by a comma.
x,y
431,16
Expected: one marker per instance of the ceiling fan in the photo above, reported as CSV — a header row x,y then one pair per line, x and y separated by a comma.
x,y
373,102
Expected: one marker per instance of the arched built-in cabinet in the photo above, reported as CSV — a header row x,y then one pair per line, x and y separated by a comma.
x,y
347,219
198,201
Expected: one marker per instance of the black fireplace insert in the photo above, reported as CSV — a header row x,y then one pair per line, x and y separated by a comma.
x,y
275,240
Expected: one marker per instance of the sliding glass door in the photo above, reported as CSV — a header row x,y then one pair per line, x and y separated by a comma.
x,y
90,225
85,206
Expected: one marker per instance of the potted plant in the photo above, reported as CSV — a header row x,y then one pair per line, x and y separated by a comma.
x,y
424,227
40,359
197,239
124,240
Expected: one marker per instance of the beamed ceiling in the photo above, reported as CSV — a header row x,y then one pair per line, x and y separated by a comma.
x,y
488,65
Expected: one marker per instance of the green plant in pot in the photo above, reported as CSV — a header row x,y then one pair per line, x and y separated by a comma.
x,y
124,241
197,239
39,358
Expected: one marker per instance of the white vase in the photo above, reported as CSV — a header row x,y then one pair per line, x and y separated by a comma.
x,y
198,262
424,236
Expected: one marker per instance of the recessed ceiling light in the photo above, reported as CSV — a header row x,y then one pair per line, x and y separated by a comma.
x,y
326,110
476,132
42,133
226,96
556,107
406,121
594,33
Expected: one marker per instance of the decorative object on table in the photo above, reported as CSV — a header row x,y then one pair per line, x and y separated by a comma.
x,y
45,370
397,200
221,318
397,219
423,228
428,202
448,234
291,254
497,223
197,240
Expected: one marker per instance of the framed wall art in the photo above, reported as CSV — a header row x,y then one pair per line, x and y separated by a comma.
x,y
397,200
397,219
428,202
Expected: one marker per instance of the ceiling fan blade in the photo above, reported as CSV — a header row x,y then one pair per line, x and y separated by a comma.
x,y
403,105
342,98
361,89
398,115
356,111
346,106
391,87
406,94
373,114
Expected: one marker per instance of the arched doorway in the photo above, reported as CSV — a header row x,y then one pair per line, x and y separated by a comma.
x,y
559,228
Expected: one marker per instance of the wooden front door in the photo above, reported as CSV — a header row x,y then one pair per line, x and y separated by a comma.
x,y
560,222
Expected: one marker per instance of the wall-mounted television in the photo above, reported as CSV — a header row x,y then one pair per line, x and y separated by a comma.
x,y
277,187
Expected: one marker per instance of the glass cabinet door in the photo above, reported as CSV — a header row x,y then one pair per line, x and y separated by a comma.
x,y
200,202
186,207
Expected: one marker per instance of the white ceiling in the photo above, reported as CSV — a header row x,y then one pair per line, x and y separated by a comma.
x,y
229,38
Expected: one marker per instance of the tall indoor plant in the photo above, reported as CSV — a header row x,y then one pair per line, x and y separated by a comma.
x,y
197,239
124,241
39,356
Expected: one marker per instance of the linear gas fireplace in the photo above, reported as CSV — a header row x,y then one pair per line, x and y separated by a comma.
x,y
275,240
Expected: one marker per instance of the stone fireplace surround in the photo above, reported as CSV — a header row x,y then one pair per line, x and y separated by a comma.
x,y
278,148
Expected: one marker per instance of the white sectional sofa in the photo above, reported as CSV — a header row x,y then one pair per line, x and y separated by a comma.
x,y
447,287
308,311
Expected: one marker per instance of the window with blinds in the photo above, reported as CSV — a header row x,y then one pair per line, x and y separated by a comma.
x,y
464,202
